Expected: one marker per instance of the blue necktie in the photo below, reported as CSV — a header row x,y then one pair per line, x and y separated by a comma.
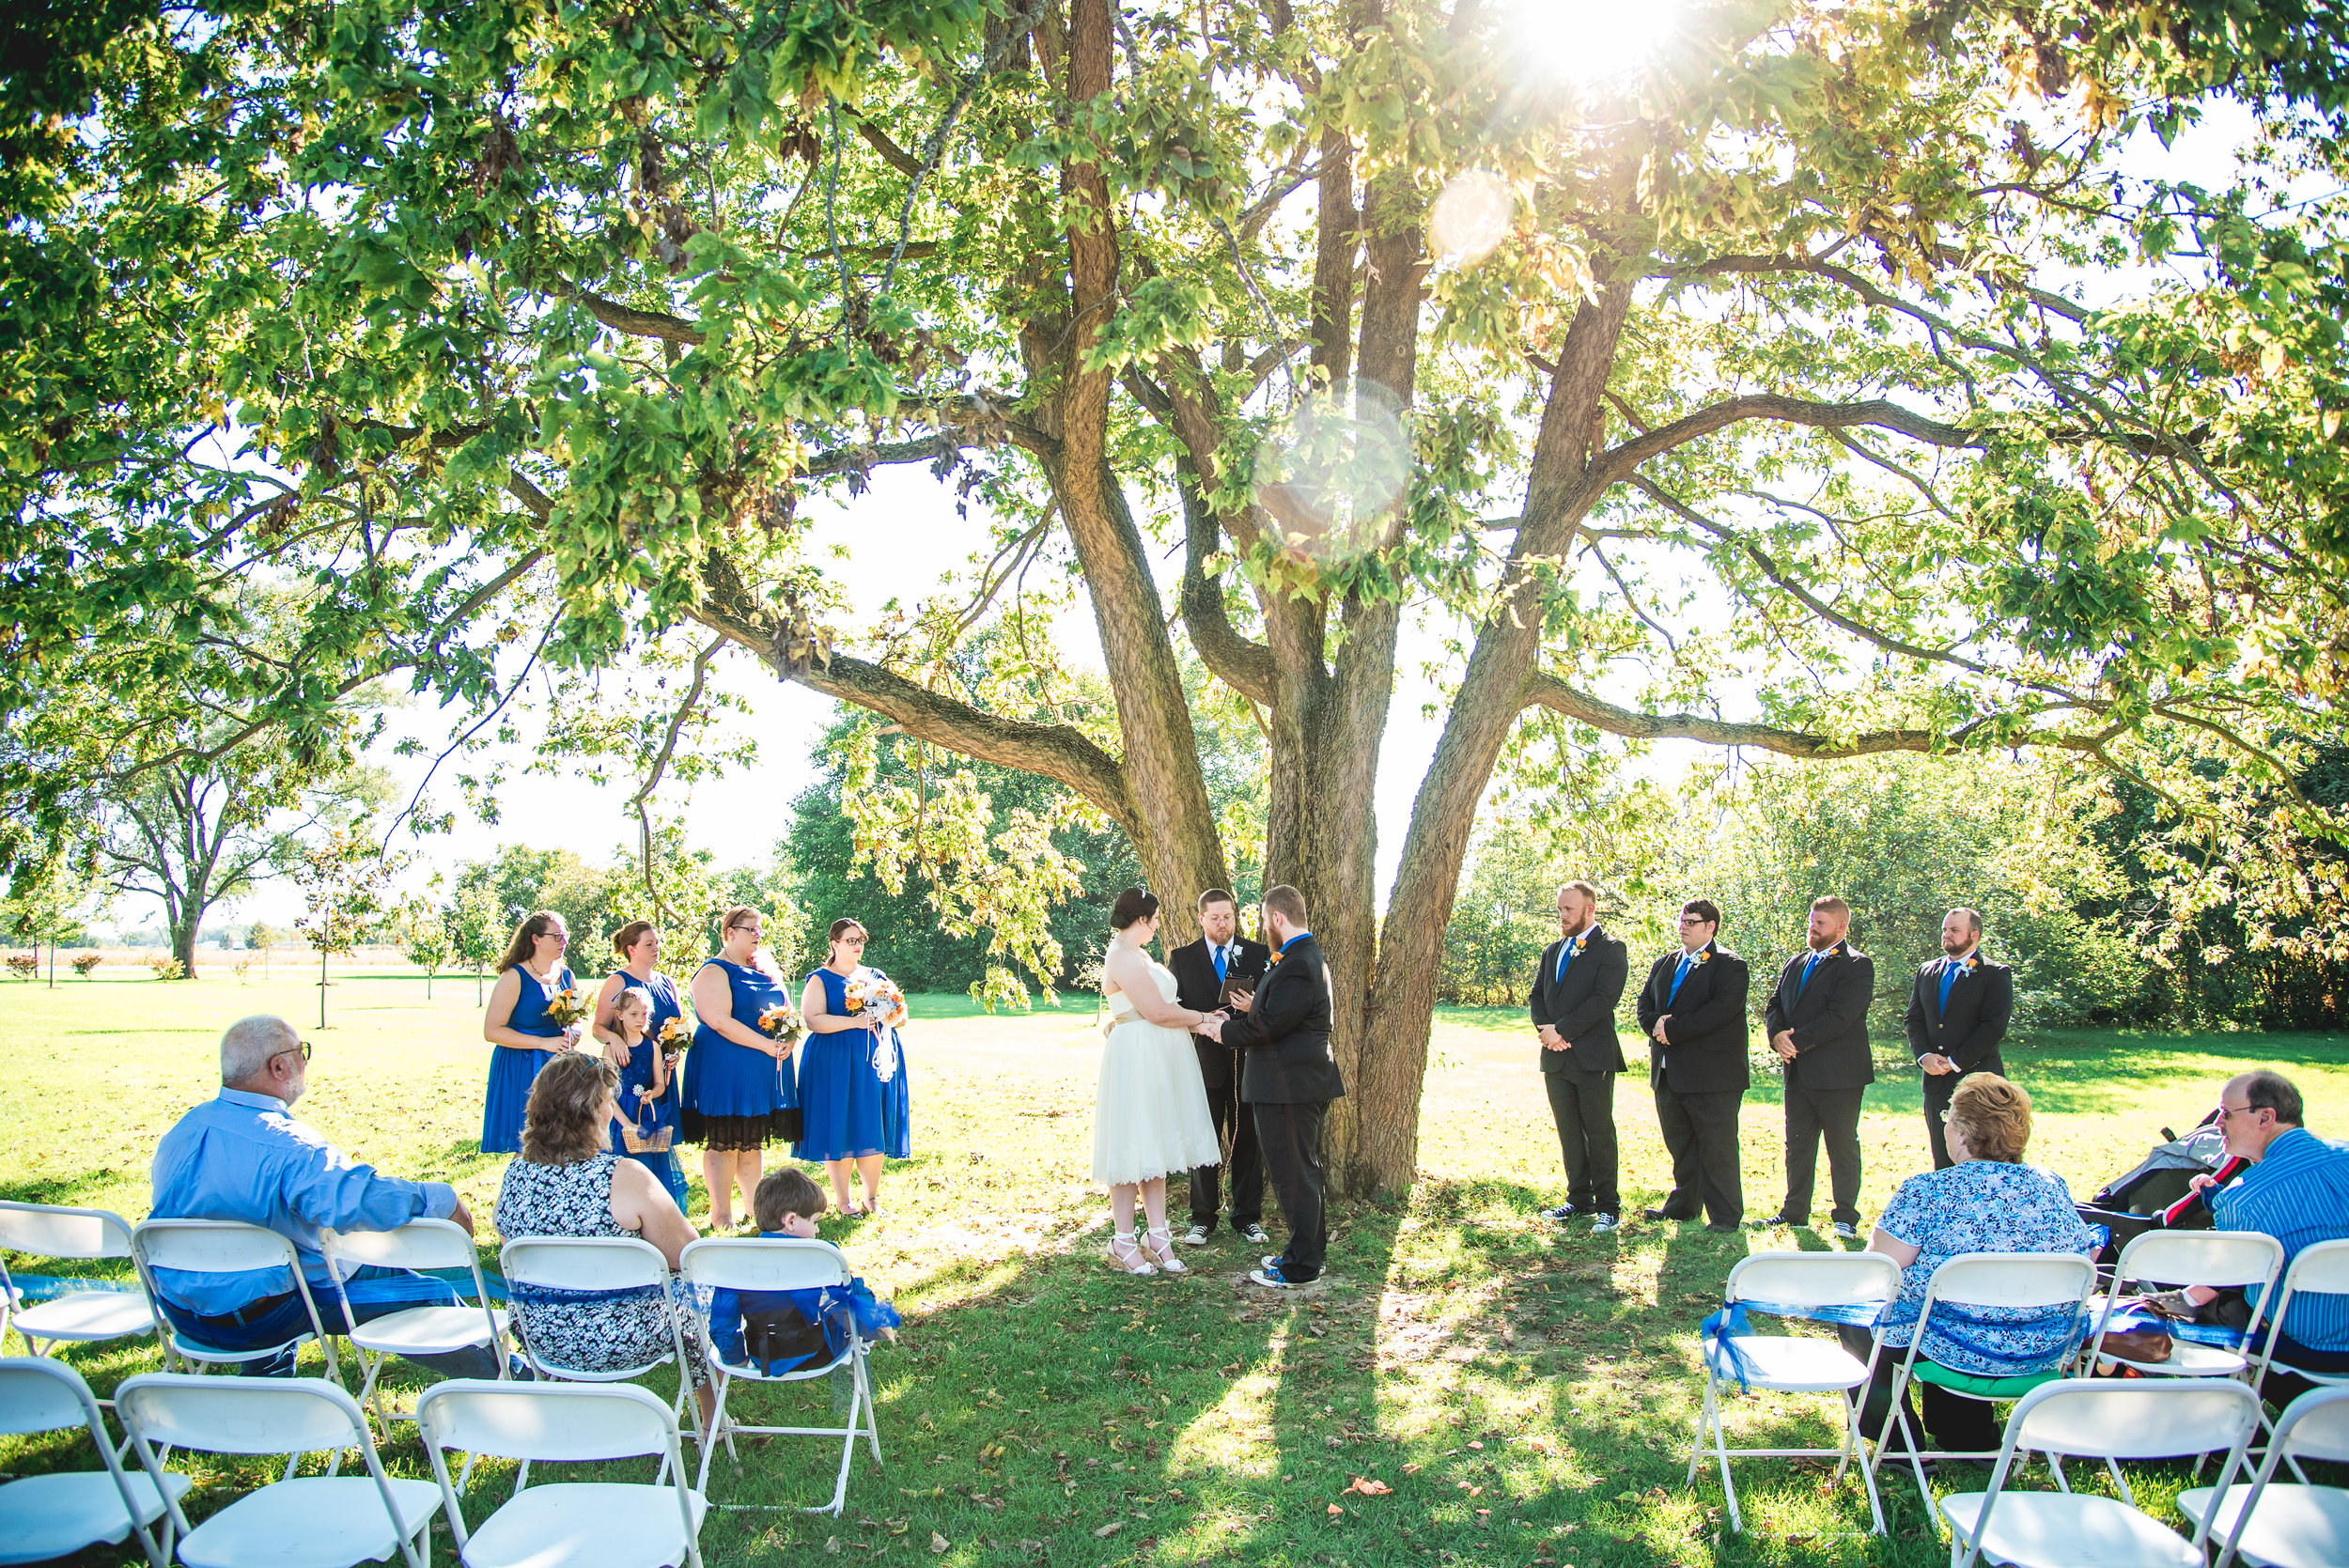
x,y
1566,956
1949,971
1806,968
1687,962
1218,961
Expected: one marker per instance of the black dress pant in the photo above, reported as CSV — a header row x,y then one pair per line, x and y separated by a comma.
x,y
1835,1114
1939,1088
1957,1423
1290,1136
1236,1126
1583,1106
1701,1135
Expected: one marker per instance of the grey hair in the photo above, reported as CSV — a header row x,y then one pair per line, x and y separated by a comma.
x,y
636,994
249,1044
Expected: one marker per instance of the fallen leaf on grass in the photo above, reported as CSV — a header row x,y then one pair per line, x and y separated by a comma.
x,y
1335,1509
832,1546
937,1542
1109,1530
1370,1488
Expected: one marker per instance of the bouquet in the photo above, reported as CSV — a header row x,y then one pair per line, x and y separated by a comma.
x,y
878,997
567,1007
672,1040
782,1022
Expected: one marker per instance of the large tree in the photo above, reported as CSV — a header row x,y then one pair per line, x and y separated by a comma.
x,y
1820,364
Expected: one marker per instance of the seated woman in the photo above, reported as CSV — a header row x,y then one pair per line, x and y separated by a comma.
x,y
1988,1201
568,1183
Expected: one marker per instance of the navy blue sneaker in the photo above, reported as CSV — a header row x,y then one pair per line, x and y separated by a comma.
x,y
1274,1275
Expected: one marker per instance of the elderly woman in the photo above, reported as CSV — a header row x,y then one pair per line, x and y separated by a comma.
x,y
568,1183
1988,1201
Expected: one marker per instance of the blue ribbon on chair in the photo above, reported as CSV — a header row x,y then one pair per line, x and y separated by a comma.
x,y
2123,1318
1724,1327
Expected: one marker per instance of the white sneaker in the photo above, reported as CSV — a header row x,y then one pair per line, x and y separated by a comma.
x,y
1844,1228
1254,1234
1604,1223
1195,1236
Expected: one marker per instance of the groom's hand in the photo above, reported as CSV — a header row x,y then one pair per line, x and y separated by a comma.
x,y
1212,1027
1552,1040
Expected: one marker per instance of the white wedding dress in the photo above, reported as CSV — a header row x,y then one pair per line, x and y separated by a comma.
x,y
1150,1115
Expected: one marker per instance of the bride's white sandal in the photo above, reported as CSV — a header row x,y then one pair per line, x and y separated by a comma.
x,y
1159,1245
1133,1259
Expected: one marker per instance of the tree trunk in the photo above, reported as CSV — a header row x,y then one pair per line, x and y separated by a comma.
x,y
184,931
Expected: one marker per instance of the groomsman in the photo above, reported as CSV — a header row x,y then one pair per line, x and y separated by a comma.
x,y
1958,1012
1575,993
1204,970
1818,1021
1693,1008
1289,1078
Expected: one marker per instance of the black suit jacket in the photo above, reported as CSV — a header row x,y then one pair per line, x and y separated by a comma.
x,y
1982,1004
1704,1045
1582,1009
1197,988
1285,1034
1829,1018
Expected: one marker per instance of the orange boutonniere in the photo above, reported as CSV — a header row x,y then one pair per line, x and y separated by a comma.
x,y
1973,962
1704,955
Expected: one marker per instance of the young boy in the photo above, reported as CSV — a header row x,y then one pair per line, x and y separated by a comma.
x,y
770,1330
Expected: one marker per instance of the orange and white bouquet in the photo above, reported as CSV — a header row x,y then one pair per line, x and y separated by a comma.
x,y
567,1007
782,1022
878,997
673,1039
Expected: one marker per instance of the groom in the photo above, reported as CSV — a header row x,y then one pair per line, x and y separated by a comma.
x,y
1289,1080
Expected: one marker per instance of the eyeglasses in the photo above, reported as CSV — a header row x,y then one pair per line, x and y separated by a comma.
x,y
304,1046
2225,1110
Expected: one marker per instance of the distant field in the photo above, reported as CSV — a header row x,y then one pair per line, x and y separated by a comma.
x,y
1038,1400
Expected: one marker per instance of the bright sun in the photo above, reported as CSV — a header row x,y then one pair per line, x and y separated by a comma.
x,y
1590,41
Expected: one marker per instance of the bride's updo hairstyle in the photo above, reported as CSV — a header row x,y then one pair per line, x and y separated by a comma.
x,y
1132,904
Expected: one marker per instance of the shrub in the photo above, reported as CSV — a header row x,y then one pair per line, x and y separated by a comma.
x,y
244,965
167,967
24,965
85,962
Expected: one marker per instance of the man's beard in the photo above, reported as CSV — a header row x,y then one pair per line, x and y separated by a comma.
x,y
295,1091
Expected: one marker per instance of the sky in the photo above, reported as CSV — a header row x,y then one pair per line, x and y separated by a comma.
x,y
902,536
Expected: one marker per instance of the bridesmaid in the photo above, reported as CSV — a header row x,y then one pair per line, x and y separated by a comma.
x,y
739,1090
516,1023
638,946
852,1079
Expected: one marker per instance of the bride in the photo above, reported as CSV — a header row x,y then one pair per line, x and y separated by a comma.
x,y
1150,1114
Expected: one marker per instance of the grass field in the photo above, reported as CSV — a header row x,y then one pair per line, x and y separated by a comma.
x,y
1528,1394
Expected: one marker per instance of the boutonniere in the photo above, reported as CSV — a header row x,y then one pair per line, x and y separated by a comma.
x,y
1973,962
1704,955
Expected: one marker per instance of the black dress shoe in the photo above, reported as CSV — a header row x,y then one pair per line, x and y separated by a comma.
x,y
1725,1230
1668,1216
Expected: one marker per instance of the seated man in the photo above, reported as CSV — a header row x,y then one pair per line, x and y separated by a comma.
x,y
2296,1190
242,1155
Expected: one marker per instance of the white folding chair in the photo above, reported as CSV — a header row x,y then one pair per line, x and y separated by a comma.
x,y
596,1264
2049,1283
609,1523
420,1244
2320,1269
81,1316
324,1521
2112,1420
1795,1365
771,1264
44,1516
224,1247
2274,1525
2220,1258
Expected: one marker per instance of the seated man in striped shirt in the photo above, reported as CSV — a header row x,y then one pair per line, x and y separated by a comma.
x,y
2296,1190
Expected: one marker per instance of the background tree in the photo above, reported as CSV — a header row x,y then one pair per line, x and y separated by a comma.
x,y
345,881
53,903
424,938
475,940
1752,374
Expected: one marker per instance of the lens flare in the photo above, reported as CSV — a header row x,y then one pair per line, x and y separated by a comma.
x,y
1327,475
1592,41
1471,216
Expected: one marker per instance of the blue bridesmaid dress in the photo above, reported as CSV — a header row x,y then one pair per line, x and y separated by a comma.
x,y
512,1069
749,1094
651,1116
848,1107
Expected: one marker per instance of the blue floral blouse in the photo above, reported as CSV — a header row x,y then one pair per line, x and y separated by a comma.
x,y
1983,1205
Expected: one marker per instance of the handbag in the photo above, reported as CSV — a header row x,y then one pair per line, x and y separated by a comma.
x,y
2139,1344
636,1140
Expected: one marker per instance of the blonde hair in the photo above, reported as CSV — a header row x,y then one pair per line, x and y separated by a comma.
x,y
633,996
1995,1115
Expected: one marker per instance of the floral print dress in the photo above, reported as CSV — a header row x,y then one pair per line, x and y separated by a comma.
x,y
585,1330
1983,1205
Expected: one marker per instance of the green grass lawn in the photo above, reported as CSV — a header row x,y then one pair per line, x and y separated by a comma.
x,y
1528,1394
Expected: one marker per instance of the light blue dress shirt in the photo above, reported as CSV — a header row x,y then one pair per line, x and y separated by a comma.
x,y
245,1157
2297,1192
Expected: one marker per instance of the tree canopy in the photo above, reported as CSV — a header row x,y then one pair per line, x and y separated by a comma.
x,y
1813,377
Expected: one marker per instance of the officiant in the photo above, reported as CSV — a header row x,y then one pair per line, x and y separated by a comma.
x,y
1206,972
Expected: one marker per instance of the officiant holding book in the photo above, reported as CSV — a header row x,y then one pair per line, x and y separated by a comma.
x,y
1207,973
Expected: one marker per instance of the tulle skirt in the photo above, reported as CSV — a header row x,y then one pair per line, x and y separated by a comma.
x,y
1150,1115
